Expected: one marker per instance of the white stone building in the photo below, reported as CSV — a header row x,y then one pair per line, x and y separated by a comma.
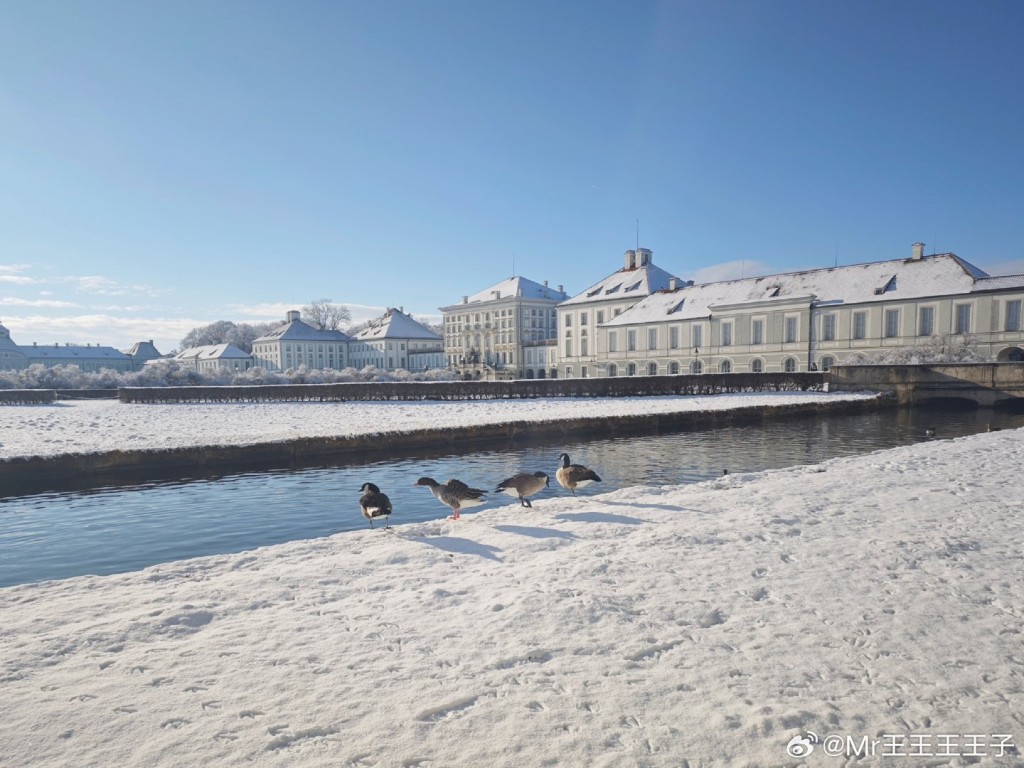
x,y
212,357
396,341
297,343
581,316
506,331
813,319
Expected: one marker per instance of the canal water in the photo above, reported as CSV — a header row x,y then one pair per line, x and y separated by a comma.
x,y
117,529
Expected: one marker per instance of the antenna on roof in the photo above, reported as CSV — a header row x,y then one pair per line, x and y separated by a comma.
x,y
835,263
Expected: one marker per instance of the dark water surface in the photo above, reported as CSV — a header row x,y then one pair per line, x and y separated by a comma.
x,y
117,529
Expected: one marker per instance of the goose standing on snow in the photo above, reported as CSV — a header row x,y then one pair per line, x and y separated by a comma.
x,y
573,476
524,484
373,503
455,494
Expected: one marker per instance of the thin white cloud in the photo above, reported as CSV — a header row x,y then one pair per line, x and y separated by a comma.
x,y
10,301
730,270
104,329
105,286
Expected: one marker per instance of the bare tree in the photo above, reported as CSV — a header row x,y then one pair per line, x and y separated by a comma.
x,y
226,332
326,315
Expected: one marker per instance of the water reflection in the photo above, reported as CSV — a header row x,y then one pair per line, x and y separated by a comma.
x,y
56,535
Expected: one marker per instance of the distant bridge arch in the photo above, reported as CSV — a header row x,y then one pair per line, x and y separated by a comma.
x,y
985,384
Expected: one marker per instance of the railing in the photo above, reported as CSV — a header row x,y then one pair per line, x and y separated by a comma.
x,y
627,386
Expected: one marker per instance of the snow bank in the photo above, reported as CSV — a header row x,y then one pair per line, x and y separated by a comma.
x,y
879,596
107,425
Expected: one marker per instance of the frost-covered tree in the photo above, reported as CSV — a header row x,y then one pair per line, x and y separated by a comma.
x,y
326,315
946,348
227,332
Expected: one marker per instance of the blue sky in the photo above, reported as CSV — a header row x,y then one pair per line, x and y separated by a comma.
x,y
166,165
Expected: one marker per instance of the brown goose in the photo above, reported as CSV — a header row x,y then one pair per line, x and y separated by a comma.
x,y
455,494
373,503
524,484
573,476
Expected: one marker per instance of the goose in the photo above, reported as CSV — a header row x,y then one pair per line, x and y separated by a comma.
x,y
524,484
929,432
455,494
373,503
573,476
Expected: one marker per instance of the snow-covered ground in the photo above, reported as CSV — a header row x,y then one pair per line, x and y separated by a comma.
x,y
88,426
876,598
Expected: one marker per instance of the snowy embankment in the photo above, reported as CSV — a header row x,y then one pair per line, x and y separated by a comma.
x,y
98,426
880,596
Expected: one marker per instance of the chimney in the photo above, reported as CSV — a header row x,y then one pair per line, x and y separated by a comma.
x,y
643,257
545,283
560,289
496,294
630,261
465,299
291,316
918,251
673,283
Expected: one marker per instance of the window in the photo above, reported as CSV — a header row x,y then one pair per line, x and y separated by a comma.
x,y
827,362
613,370
652,369
568,320
568,347
583,318
963,318
892,323
631,340
631,369
757,365
790,334
757,332
652,338
727,334
568,371
673,335
698,336
696,367
926,321
584,372
725,366
789,365
600,316
673,368
583,346
1012,315
860,325
828,328
613,341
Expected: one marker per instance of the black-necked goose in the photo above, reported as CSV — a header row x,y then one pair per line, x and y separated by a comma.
x,y
573,476
524,484
455,494
375,504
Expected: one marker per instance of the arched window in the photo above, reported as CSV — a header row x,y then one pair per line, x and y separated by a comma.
x,y
673,368
725,366
757,365
631,369
613,370
827,362
789,365
696,367
652,369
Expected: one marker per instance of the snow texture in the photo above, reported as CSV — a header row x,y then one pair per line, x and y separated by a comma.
x,y
96,426
702,625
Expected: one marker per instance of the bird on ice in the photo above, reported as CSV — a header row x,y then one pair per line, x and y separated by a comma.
x,y
573,476
523,485
373,503
455,494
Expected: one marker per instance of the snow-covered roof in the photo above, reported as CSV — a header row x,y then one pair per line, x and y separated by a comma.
x,y
516,287
212,352
395,324
631,283
143,350
999,282
297,330
936,275
69,351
